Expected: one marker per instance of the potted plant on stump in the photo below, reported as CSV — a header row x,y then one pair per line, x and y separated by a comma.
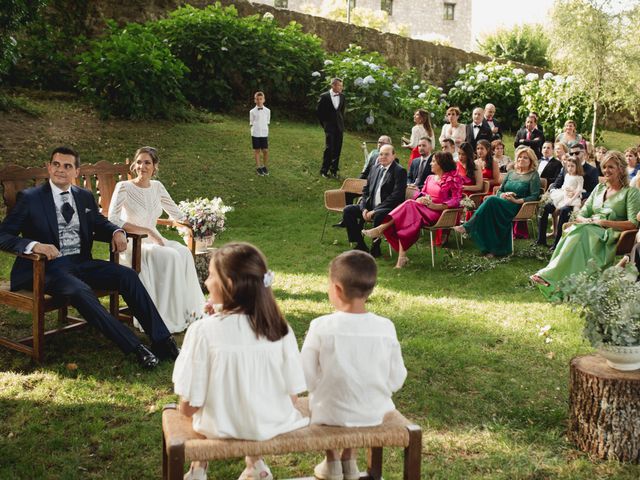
x,y
604,389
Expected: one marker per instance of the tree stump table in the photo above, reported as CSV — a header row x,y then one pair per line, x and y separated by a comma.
x,y
604,409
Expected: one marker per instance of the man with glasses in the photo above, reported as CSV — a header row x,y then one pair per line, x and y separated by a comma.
x,y
590,181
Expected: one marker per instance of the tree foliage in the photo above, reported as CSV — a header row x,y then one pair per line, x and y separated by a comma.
x,y
14,14
595,41
522,43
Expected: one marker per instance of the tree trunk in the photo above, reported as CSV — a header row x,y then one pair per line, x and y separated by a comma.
x,y
595,122
604,408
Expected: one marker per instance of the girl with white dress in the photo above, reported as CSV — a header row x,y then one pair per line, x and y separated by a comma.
x,y
168,270
239,369
570,194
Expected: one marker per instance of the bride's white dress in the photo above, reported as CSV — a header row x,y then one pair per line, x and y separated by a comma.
x,y
168,272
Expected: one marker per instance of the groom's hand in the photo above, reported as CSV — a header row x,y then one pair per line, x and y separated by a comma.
x,y
119,242
49,251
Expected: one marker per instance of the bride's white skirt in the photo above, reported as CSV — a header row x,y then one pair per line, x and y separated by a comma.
x,y
169,274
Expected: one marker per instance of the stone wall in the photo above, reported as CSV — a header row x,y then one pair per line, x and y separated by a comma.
x,y
437,63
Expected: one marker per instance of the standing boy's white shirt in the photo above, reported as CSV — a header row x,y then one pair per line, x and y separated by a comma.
x,y
259,119
353,364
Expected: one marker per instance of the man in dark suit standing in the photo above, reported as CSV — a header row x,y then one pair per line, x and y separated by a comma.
x,y
421,166
330,111
489,116
60,221
478,129
548,166
590,181
385,190
530,136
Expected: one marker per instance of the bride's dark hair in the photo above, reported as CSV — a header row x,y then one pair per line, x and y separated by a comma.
x,y
241,268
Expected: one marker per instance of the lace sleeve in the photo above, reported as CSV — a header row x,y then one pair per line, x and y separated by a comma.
x,y
168,205
117,202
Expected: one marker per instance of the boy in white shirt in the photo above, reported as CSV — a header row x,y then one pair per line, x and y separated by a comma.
x,y
352,360
259,119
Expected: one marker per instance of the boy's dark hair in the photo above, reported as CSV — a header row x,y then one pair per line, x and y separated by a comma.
x,y
241,268
66,151
356,272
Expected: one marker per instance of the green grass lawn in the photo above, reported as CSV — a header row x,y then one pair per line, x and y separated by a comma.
x,y
489,391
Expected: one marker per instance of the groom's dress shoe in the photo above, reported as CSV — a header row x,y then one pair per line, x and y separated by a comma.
x,y
145,357
166,349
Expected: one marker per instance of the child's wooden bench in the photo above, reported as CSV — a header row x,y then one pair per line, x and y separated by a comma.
x,y
181,444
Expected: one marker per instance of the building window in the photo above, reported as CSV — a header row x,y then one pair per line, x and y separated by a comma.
x,y
281,3
449,11
387,6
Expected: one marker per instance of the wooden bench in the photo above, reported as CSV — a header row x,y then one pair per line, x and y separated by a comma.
x,y
181,444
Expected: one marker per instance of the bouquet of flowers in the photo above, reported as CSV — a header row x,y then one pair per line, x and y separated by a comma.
x,y
206,216
467,204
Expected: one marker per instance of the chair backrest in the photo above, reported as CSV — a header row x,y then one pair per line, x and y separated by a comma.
x,y
334,200
449,218
101,179
543,184
409,192
353,185
485,186
15,178
527,211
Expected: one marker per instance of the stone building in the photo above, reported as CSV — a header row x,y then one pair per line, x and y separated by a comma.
x,y
448,20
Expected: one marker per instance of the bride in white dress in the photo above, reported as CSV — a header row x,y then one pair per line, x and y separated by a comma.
x,y
168,271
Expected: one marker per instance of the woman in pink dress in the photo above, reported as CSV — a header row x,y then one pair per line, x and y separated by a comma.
x,y
441,190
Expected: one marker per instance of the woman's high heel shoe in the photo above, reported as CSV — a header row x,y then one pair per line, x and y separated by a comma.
x,y
373,232
402,262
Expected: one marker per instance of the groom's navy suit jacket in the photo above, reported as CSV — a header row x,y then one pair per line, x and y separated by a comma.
x,y
34,217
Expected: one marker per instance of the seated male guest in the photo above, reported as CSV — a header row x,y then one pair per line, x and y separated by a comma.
x,y
373,156
421,167
530,136
590,182
478,129
60,220
385,190
549,167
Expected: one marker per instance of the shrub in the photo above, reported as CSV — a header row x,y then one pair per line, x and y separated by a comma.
x,y
491,82
376,93
132,74
557,99
14,15
229,57
522,43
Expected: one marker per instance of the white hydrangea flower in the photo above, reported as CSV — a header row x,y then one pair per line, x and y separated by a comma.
x,y
502,79
386,94
470,88
472,78
559,79
532,77
440,89
490,70
267,16
416,87
479,68
422,95
328,62
374,67
224,49
369,80
462,71
499,68
518,71
482,78
370,119
358,82
570,79
458,83
396,86
316,74
547,76
463,88
508,79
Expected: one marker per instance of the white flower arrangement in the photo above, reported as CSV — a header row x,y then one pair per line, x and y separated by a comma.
x,y
316,74
328,62
206,216
531,77
467,204
547,76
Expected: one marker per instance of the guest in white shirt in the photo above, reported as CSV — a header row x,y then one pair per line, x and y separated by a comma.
x,y
348,385
259,119
453,130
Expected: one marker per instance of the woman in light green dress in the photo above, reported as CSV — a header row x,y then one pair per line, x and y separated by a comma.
x,y
491,226
611,208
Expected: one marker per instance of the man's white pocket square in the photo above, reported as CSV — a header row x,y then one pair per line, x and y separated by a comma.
x,y
87,210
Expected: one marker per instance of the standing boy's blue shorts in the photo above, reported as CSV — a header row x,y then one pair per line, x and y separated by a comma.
x,y
260,143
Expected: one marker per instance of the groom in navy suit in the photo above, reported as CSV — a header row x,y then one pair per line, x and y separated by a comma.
x,y
60,221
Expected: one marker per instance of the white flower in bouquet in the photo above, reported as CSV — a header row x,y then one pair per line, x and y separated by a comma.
x,y
467,203
206,216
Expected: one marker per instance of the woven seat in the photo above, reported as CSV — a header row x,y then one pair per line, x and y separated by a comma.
x,y
182,444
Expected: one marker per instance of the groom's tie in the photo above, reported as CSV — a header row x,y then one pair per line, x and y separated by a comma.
x,y
66,210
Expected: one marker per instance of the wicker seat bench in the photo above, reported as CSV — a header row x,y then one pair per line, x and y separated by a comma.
x,y
181,444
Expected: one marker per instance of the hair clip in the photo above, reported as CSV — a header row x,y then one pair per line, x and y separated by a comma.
x,y
268,278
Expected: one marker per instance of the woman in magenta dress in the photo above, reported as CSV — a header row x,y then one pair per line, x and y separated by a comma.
x,y
441,190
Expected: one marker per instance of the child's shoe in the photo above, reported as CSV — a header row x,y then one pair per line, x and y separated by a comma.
x,y
350,469
259,171
329,470
265,171
260,471
196,473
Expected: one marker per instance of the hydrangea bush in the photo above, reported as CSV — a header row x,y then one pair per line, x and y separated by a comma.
x,y
556,99
491,82
206,216
376,93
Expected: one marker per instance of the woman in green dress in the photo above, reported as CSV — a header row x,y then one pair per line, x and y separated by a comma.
x,y
611,208
491,225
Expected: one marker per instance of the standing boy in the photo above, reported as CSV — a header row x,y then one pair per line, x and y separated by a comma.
x,y
259,119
